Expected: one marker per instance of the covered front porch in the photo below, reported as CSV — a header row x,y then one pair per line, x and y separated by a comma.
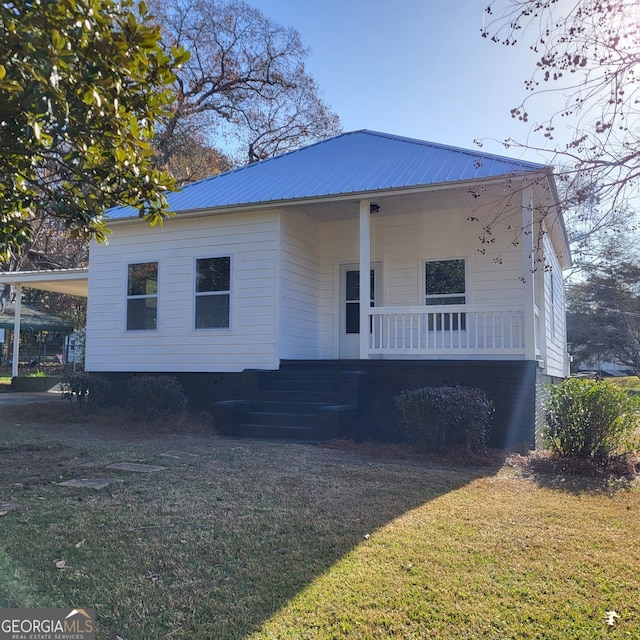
x,y
495,313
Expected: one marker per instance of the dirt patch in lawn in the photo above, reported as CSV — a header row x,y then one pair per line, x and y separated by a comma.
x,y
61,417
30,465
52,442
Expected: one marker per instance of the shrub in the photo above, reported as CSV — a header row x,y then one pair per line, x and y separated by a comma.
x,y
589,419
152,396
86,390
445,418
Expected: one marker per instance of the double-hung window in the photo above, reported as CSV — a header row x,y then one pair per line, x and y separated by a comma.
x,y
213,292
142,296
445,284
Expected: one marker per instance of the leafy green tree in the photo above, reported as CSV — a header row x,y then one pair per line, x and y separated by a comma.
x,y
83,87
603,316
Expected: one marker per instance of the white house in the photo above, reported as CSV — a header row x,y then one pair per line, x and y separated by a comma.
x,y
259,270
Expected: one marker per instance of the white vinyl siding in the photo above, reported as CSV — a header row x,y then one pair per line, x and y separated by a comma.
x,y
284,291
251,242
299,287
555,356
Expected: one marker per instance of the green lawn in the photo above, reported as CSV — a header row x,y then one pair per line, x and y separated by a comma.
x,y
268,540
628,382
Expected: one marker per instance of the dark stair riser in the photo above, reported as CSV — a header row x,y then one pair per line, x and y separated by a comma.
x,y
305,397
306,421
280,432
318,386
305,374
274,406
310,404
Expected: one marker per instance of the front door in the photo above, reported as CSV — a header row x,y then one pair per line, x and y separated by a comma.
x,y
350,307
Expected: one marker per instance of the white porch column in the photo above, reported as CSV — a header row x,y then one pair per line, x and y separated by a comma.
x,y
528,273
365,279
16,331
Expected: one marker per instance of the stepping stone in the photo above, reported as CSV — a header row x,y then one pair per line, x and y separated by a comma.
x,y
86,483
180,455
135,467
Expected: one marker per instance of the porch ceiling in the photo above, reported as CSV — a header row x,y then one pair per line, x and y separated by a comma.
x,y
391,203
73,282
501,195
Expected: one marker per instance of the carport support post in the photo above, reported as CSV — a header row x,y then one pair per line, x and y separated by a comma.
x,y
365,278
16,332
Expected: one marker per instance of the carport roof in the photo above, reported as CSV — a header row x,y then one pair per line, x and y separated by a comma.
x,y
74,282
33,319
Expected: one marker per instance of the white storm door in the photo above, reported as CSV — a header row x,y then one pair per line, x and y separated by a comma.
x,y
349,347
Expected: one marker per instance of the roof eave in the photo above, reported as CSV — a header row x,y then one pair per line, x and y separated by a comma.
x,y
565,256
341,197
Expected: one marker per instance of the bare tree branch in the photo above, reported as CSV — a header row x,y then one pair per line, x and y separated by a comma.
x,y
245,83
589,52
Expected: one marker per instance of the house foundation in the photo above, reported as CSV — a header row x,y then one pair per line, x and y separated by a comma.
x,y
361,404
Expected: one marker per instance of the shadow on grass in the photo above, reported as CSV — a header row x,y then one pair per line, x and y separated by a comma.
x,y
340,495
579,476
218,543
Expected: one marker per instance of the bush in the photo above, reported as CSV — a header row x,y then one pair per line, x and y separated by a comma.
x,y
86,390
152,396
445,418
589,419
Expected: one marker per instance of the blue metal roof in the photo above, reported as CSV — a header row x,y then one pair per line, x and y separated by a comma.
x,y
357,162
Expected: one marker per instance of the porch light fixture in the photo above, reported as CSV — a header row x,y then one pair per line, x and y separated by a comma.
x,y
374,208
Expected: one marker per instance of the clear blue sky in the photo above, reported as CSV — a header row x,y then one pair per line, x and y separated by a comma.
x,y
417,68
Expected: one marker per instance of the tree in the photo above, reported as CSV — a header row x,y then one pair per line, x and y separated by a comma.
x,y
190,157
603,316
83,86
589,52
598,235
51,247
245,84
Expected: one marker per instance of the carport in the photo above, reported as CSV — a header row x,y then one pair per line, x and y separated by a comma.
x,y
34,320
70,281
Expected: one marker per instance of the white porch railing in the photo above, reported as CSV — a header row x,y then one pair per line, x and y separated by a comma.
x,y
447,330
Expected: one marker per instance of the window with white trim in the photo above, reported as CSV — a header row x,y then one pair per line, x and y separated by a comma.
x,y
142,296
445,284
213,292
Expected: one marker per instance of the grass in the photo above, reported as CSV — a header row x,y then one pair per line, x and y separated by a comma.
x,y
628,382
268,540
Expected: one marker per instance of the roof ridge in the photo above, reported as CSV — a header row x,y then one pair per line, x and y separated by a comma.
x,y
449,147
381,134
